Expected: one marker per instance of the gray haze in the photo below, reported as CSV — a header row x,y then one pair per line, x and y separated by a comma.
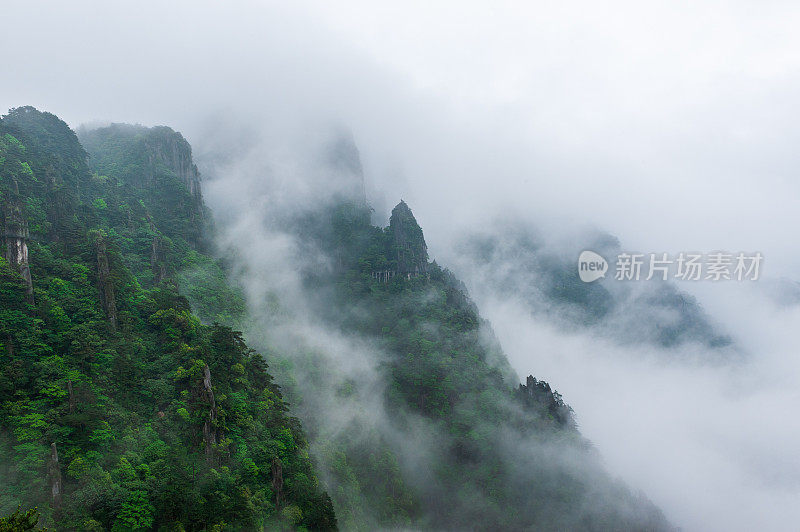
x,y
257,194
672,126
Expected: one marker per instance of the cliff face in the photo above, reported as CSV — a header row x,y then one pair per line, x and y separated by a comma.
x,y
15,236
157,162
165,423
168,149
410,250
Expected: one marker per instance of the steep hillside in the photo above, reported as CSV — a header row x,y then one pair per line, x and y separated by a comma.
x,y
119,409
502,455
413,413
130,403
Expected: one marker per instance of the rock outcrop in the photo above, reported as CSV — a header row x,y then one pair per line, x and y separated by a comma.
x,y
209,425
15,236
410,250
168,148
104,281
538,395
54,476
158,160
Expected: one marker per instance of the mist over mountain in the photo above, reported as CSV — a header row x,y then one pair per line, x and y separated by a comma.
x,y
413,415
512,260
353,386
409,401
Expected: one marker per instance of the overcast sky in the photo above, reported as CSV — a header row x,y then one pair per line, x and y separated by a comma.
x,y
673,125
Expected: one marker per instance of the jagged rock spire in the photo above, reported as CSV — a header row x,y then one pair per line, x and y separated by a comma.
x,y
209,426
411,252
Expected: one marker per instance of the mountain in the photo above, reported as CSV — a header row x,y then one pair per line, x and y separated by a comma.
x,y
120,409
413,413
130,401
510,259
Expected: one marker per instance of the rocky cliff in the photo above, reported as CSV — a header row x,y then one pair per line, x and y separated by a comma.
x,y
410,250
158,162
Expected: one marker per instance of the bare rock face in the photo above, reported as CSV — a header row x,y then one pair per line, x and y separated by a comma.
x,y
54,475
158,159
209,428
104,281
410,249
277,481
168,148
16,235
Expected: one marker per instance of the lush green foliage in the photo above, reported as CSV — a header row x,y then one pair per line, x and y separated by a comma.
x,y
20,521
127,401
159,421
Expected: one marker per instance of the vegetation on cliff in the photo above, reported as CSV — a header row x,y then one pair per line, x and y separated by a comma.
x,y
119,409
129,401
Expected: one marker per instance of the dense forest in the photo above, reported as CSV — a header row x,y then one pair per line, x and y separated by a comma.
x,y
130,401
120,410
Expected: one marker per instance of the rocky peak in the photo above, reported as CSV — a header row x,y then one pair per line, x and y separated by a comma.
x,y
539,396
409,243
150,157
167,147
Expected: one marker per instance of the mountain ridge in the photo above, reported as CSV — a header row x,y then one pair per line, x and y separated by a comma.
x,y
416,417
117,388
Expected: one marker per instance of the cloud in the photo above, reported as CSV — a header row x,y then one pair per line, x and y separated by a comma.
x,y
713,445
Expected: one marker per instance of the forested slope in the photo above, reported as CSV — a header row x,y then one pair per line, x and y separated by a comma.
x,y
119,409
129,400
